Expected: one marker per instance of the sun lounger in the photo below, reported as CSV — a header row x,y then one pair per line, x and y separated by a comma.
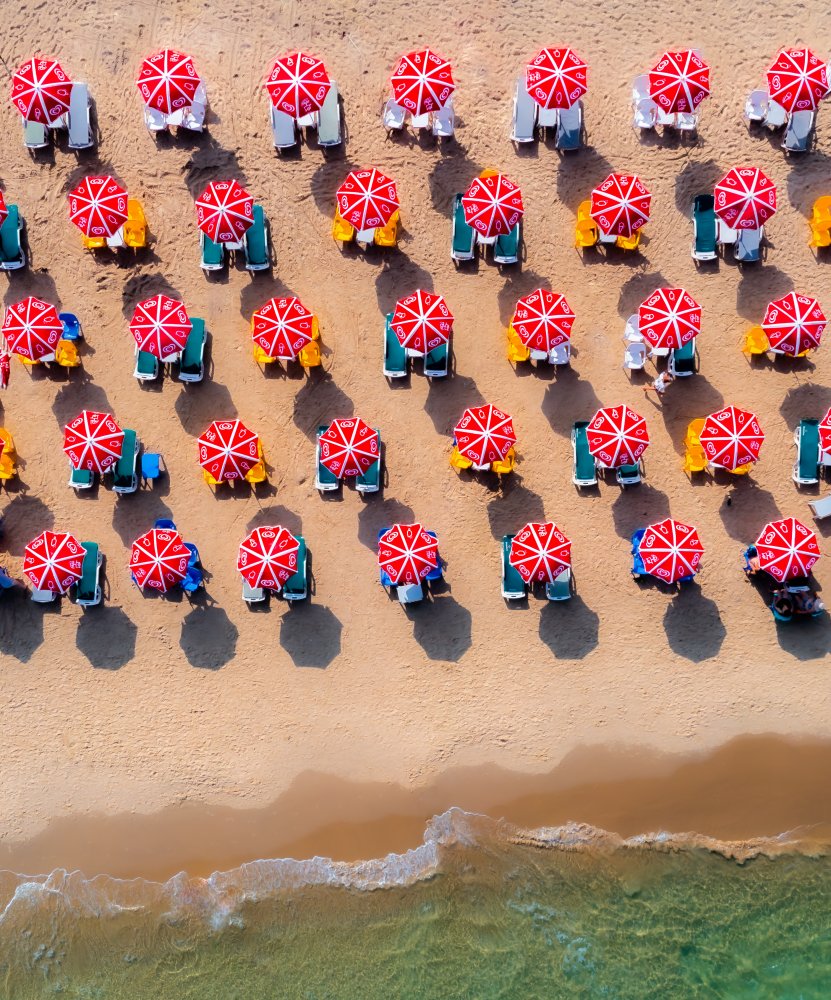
x,y
164,524
325,481
125,479
80,128
513,586
436,362
569,127
35,135
213,254
147,366
71,327
134,230
807,465
775,116
370,481
283,130
396,361
192,360
704,228
410,593
798,133
756,106
393,116
683,361
386,236
155,120
257,257
560,589
748,247
585,468
628,475
645,113
329,123
506,247
463,241
252,595
88,588
821,508
43,596
296,587
342,231
640,88
638,568
80,479
12,256
437,572
695,460
525,114
635,355
444,121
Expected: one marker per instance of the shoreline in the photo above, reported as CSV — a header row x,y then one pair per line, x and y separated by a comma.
x,y
751,789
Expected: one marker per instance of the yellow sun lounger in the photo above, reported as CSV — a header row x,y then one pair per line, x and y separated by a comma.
x,y
517,351
261,357
342,231
387,236
629,242
135,228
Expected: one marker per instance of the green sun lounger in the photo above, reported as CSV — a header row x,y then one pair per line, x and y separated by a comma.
x,y
12,256
806,467
463,243
329,125
256,243
296,587
705,240
513,586
683,361
88,592
629,475
560,589
395,357
370,481
80,479
585,468
213,254
437,361
325,480
125,478
191,364
506,248
147,366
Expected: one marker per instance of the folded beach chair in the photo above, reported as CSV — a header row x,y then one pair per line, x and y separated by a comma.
x,y
506,247
756,106
635,355
704,228
628,475
821,508
192,360
156,121
585,468
35,135
213,254
638,568
393,116
748,246
88,588
396,361
329,124
463,241
410,593
444,121
80,479
569,127
12,255
125,478
80,127
513,586
71,327
798,133
807,466
147,366
283,130
134,230
775,116
296,587
257,257
437,361
325,481
645,113
252,595
525,114
683,361
560,589
370,481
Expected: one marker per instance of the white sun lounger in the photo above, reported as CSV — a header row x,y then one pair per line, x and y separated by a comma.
x,y
80,129
35,135
632,331
283,129
821,508
328,125
776,115
645,113
798,132
444,121
393,116
748,245
756,106
252,595
686,122
525,114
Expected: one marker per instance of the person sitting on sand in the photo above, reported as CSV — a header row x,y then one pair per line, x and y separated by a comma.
x,y
659,386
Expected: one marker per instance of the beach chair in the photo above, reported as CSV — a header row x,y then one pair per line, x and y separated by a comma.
x,y
213,254
396,361
12,255
252,595
459,461
775,116
798,133
410,593
695,459
255,243
628,242
638,568
463,238
756,106
154,120
634,355
705,246
71,327
193,118
821,508
35,136
195,577
152,466
387,236
505,466
80,479
755,342
569,127
586,234
164,524
393,116
310,356
560,589
370,481
134,231
513,586
820,236
444,121
66,354
560,355
329,122
325,481
506,248
88,588
644,113
683,361
686,122
640,88
628,475
418,122
125,478
437,572
284,132
147,366
517,351
437,362
296,587
342,231
79,124
807,466
192,360
524,114
584,471
43,596
821,211
748,247
546,119
778,616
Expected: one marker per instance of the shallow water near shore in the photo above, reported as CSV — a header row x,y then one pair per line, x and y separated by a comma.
x,y
480,909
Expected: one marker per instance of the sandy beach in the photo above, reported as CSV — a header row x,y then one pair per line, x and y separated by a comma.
x,y
154,711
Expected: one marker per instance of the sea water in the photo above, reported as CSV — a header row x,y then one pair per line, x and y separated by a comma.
x,y
480,909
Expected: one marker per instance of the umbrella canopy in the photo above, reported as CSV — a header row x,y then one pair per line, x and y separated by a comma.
x,y
825,432
620,205
407,553
422,321
670,550
669,318
224,211
543,320
556,78
41,90
167,81
98,206
367,199
617,436
298,84
159,559
422,82
282,327
493,205
5,371
268,557
540,552
349,447
679,81
732,437
160,326
32,328
53,561
786,548
798,80
794,323
228,449
93,441
3,210
745,198
485,434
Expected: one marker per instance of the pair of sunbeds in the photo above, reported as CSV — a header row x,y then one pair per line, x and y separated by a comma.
x,y
294,589
286,131
710,233
528,116
463,241
647,114
87,591
397,359
810,459
124,472
255,246
77,121
514,588
585,465
410,593
326,481
191,360
761,109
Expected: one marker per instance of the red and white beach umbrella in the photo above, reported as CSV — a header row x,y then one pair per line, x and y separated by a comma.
x,y
98,206
224,211
540,552
543,320
53,561
268,557
159,559
32,328
745,198
617,436
4,212
422,82
228,449
621,204
679,81
422,321
670,550
160,326
298,84
167,81
732,437
282,327
93,441
485,434
41,90
669,318
5,369
825,432
786,548
794,323
367,199
798,80
348,447
556,78
493,205
407,553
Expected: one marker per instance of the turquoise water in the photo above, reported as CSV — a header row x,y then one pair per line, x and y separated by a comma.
x,y
472,913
